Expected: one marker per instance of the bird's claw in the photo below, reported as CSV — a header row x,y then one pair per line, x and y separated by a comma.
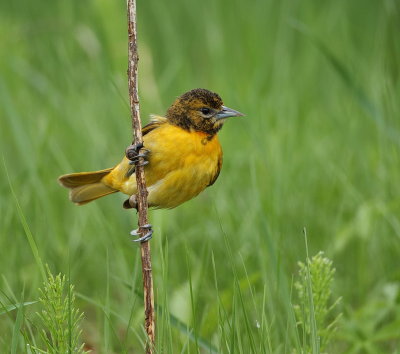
x,y
146,237
133,150
144,163
134,162
136,158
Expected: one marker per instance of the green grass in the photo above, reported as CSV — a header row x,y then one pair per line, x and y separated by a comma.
x,y
319,148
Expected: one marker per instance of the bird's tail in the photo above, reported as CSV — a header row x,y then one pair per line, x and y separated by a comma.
x,y
86,186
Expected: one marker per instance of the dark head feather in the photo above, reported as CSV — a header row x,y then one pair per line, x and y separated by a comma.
x,y
207,97
185,112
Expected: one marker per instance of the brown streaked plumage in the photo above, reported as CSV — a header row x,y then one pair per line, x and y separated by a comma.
x,y
184,155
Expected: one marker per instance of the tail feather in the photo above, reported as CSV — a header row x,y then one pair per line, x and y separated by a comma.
x,y
85,194
80,178
86,186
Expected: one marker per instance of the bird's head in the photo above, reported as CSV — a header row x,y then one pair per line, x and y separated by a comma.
x,y
200,110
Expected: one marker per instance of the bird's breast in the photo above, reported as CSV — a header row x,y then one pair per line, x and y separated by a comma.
x,y
181,165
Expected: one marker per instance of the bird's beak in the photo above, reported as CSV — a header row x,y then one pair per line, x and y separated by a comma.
x,y
227,112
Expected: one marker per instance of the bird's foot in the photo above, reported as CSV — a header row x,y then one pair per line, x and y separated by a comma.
x,y
137,156
136,151
136,159
133,150
146,237
131,202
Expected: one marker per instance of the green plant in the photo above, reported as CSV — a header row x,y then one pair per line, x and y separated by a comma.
x,y
59,320
313,312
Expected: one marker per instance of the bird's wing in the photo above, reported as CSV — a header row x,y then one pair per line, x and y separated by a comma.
x,y
155,122
217,171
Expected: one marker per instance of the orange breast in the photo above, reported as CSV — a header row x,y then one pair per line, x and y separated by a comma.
x,y
181,165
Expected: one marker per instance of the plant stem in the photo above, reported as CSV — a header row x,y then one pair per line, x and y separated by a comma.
x,y
133,59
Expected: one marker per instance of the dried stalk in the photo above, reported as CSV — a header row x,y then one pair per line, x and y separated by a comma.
x,y
133,59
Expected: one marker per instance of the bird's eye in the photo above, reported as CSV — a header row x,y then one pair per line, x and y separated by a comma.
x,y
206,111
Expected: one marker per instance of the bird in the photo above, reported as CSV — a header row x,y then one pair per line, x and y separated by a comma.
x,y
181,151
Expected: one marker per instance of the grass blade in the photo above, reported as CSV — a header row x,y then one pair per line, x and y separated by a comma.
x,y
27,230
17,326
178,324
9,308
313,322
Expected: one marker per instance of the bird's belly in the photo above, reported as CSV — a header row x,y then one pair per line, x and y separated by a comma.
x,y
179,186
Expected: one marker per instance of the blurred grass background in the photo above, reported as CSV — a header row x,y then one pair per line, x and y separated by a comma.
x,y
319,148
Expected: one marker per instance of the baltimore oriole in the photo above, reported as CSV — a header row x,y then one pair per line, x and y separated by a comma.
x,y
182,151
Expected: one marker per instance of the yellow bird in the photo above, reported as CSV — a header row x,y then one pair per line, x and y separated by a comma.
x,y
182,151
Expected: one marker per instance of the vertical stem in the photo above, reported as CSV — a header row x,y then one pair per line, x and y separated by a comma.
x,y
133,59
